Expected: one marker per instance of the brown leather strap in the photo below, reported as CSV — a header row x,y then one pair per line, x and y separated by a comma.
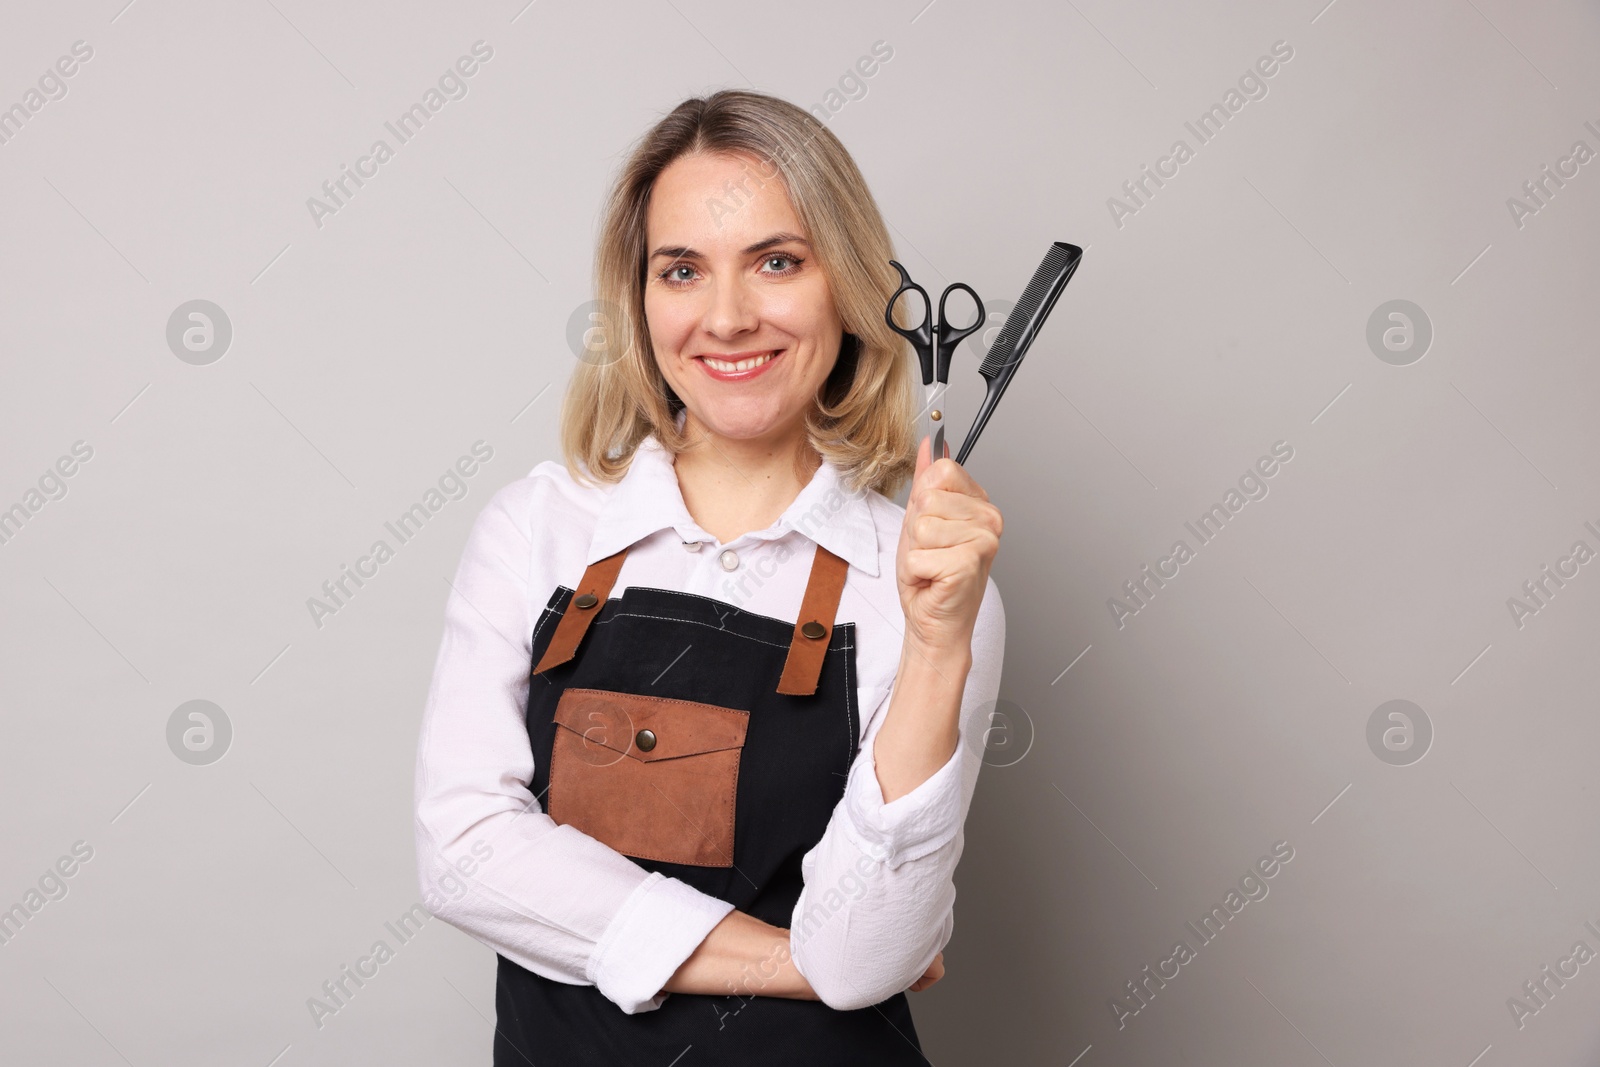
x,y
817,610
597,580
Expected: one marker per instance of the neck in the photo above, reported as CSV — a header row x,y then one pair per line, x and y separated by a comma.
x,y
732,486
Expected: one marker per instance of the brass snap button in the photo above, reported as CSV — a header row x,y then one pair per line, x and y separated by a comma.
x,y
586,600
646,740
814,629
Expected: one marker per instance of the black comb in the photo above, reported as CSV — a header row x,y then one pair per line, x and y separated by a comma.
x,y
1022,326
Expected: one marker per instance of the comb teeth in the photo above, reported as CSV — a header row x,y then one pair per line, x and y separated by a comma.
x,y
1000,363
1029,314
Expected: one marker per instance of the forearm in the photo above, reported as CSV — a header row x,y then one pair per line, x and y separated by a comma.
x,y
922,724
879,898
742,956
745,956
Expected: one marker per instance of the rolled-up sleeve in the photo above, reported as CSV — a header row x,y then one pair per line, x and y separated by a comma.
x,y
490,861
879,897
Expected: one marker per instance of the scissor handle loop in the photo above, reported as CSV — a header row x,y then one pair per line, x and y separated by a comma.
x,y
921,337
948,337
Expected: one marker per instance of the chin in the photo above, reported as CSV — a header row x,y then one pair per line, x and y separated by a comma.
x,y
746,425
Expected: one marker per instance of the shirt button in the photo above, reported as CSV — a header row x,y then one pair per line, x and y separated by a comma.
x,y
730,559
691,546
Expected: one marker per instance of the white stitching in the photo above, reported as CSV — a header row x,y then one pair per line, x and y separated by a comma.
x,y
549,614
621,598
707,625
852,732
709,600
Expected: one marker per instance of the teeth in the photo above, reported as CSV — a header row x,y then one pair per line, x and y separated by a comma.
x,y
744,364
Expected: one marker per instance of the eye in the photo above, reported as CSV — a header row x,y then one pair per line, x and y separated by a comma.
x,y
671,277
783,257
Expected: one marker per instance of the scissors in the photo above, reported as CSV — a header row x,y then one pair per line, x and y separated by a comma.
x,y
933,354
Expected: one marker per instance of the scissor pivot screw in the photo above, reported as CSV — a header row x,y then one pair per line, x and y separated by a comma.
x,y
937,415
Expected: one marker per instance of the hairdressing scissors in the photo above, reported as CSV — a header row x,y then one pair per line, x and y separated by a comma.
x,y
935,342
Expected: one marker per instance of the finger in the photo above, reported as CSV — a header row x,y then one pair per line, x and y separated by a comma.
x,y
951,476
948,529
951,505
935,532
957,563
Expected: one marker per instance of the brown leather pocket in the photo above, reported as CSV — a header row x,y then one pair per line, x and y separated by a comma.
x,y
652,777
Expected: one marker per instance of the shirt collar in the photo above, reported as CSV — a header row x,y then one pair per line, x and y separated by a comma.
x,y
648,499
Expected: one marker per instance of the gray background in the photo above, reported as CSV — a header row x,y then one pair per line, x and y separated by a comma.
x,y
1229,313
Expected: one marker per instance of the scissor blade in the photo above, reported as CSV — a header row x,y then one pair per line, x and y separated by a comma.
x,y
938,445
933,402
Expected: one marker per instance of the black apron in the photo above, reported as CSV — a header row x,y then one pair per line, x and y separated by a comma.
x,y
710,744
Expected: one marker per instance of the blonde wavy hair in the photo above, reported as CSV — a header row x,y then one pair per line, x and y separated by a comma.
x,y
864,419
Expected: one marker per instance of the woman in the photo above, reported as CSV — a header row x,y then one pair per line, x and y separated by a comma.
x,y
694,732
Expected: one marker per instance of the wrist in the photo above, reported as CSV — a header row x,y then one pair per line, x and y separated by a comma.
x,y
763,974
939,658
772,971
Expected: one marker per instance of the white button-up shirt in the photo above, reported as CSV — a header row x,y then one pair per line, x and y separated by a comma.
x,y
878,902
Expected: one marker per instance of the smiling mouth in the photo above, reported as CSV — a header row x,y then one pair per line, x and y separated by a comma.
x,y
750,363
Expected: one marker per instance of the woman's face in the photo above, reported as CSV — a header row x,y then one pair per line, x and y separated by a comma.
x,y
741,317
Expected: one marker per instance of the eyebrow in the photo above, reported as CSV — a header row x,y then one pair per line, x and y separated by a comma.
x,y
685,252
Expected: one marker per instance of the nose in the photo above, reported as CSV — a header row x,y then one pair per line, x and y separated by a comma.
x,y
732,309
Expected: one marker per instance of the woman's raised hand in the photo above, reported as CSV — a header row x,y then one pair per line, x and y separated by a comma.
x,y
947,545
